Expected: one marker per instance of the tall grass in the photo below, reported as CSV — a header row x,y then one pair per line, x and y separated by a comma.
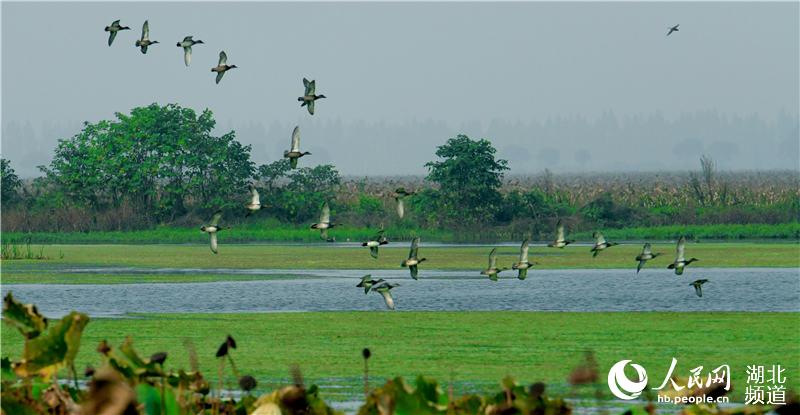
x,y
11,249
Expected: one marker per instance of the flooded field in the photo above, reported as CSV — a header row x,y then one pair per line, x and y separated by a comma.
x,y
754,289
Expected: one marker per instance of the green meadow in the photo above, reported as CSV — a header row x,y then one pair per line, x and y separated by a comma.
x,y
272,231
288,257
473,349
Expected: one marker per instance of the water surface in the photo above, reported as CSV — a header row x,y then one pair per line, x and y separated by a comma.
x,y
753,289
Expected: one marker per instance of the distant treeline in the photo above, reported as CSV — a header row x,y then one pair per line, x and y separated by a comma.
x,y
161,166
609,141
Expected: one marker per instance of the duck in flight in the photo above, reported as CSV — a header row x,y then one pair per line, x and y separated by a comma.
x,y
309,97
492,270
600,243
413,261
324,222
374,242
187,44
255,202
646,255
145,41
294,153
212,228
399,195
113,29
673,29
222,66
560,241
680,260
367,282
698,286
523,265
384,289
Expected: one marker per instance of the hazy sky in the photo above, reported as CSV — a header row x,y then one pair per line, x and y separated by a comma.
x,y
460,64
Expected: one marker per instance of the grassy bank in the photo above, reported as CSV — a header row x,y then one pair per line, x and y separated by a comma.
x,y
470,258
476,349
271,231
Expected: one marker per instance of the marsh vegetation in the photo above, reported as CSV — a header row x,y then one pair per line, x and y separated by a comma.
x,y
103,180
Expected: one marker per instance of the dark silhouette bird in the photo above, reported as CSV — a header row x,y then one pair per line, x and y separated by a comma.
x,y
145,41
560,241
113,29
212,228
222,66
492,270
294,152
384,290
680,260
374,242
187,44
413,261
646,255
367,282
309,97
673,29
600,243
698,286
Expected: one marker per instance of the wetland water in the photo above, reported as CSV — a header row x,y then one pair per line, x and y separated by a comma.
x,y
749,289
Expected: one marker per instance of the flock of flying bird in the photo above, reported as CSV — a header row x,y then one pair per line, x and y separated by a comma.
x,y
144,42
522,265
382,286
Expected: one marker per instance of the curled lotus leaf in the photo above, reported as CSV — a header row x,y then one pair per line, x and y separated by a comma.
x,y
24,317
53,349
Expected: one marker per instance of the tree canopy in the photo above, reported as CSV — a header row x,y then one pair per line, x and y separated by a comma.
x,y
469,178
296,195
10,182
159,158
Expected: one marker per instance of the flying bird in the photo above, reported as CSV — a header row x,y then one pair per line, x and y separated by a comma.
x,y
294,153
374,242
367,282
680,260
399,195
324,222
560,241
212,228
384,290
698,286
187,44
646,255
113,29
600,244
255,202
523,265
492,270
222,66
673,29
413,261
145,41
308,97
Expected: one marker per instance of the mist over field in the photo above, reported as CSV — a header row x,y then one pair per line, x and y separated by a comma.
x,y
569,87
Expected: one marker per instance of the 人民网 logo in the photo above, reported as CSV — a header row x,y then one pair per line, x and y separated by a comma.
x,y
621,386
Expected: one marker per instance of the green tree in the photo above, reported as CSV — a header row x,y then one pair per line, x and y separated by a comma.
x,y
159,158
296,195
469,177
9,182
